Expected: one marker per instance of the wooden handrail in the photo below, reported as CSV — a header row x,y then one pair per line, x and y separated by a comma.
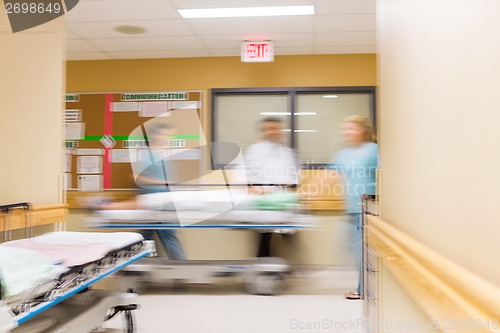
x,y
40,215
445,291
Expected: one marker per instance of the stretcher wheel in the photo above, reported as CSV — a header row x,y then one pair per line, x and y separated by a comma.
x,y
129,322
265,283
133,282
138,287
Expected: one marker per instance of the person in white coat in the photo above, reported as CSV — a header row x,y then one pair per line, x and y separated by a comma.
x,y
271,167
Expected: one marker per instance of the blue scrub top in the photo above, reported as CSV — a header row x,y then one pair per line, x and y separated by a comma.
x,y
357,168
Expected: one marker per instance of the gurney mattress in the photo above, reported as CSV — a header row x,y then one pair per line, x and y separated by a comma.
x,y
36,267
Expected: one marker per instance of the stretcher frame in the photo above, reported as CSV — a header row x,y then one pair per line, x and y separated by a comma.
x,y
66,307
261,276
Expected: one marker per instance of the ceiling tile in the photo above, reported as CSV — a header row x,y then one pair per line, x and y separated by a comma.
x,y
346,38
253,25
189,4
123,10
80,45
339,26
226,52
105,29
88,56
292,50
160,54
345,6
148,43
346,22
234,41
71,35
348,49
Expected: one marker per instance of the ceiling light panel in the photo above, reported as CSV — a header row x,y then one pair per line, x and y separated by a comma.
x,y
254,25
247,11
123,10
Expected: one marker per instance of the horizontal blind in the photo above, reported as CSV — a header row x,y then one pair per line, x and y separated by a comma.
x,y
317,122
237,119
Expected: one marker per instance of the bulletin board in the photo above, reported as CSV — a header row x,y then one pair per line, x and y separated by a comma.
x,y
103,132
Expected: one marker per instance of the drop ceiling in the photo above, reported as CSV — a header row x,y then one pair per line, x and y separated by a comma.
x,y
337,27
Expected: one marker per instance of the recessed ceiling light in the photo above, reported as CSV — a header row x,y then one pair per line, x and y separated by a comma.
x,y
305,131
246,11
130,29
275,113
305,113
330,96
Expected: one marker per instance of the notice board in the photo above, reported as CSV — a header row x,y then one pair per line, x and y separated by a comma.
x,y
105,132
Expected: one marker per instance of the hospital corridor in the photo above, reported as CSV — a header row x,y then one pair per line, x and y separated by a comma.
x,y
309,305
264,166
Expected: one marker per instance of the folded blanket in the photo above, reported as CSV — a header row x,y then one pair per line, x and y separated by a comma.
x,y
216,200
76,248
117,240
22,269
66,254
276,201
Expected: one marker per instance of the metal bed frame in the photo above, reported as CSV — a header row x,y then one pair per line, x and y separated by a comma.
x,y
261,276
67,303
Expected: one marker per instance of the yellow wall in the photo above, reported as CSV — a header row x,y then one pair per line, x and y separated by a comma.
x,y
220,72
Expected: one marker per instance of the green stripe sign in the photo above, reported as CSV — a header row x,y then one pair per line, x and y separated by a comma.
x,y
140,137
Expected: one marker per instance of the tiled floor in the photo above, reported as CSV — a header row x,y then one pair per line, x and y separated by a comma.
x,y
312,302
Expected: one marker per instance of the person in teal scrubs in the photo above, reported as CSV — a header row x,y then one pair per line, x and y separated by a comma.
x,y
356,165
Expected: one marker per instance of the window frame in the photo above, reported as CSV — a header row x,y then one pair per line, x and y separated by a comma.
x,y
291,93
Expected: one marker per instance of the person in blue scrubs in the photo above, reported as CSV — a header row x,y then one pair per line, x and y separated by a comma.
x,y
356,165
154,178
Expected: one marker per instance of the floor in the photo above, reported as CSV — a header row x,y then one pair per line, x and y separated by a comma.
x,y
313,301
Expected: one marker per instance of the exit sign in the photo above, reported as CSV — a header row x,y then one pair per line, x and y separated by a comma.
x,y
257,52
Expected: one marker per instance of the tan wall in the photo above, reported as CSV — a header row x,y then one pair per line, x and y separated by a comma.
x,y
397,312
31,82
438,119
220,72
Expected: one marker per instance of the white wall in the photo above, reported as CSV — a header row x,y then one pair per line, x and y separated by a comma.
x,y
439,117
31,85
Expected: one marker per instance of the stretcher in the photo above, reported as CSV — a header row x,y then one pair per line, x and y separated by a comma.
x,y
231,219
262,276
46,281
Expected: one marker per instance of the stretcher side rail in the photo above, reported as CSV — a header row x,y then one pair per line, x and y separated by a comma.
x,y
41,299
199,219
76,277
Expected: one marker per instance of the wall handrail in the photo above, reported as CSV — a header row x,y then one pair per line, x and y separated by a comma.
x,y
35,216
444,290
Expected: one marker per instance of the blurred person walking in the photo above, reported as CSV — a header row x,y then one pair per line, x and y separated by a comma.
x,y
356,165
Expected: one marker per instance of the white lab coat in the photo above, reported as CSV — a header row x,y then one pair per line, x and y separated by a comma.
x,y
268,162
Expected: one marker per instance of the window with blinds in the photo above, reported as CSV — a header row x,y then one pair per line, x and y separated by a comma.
x,y
311,118
237,120
317,120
